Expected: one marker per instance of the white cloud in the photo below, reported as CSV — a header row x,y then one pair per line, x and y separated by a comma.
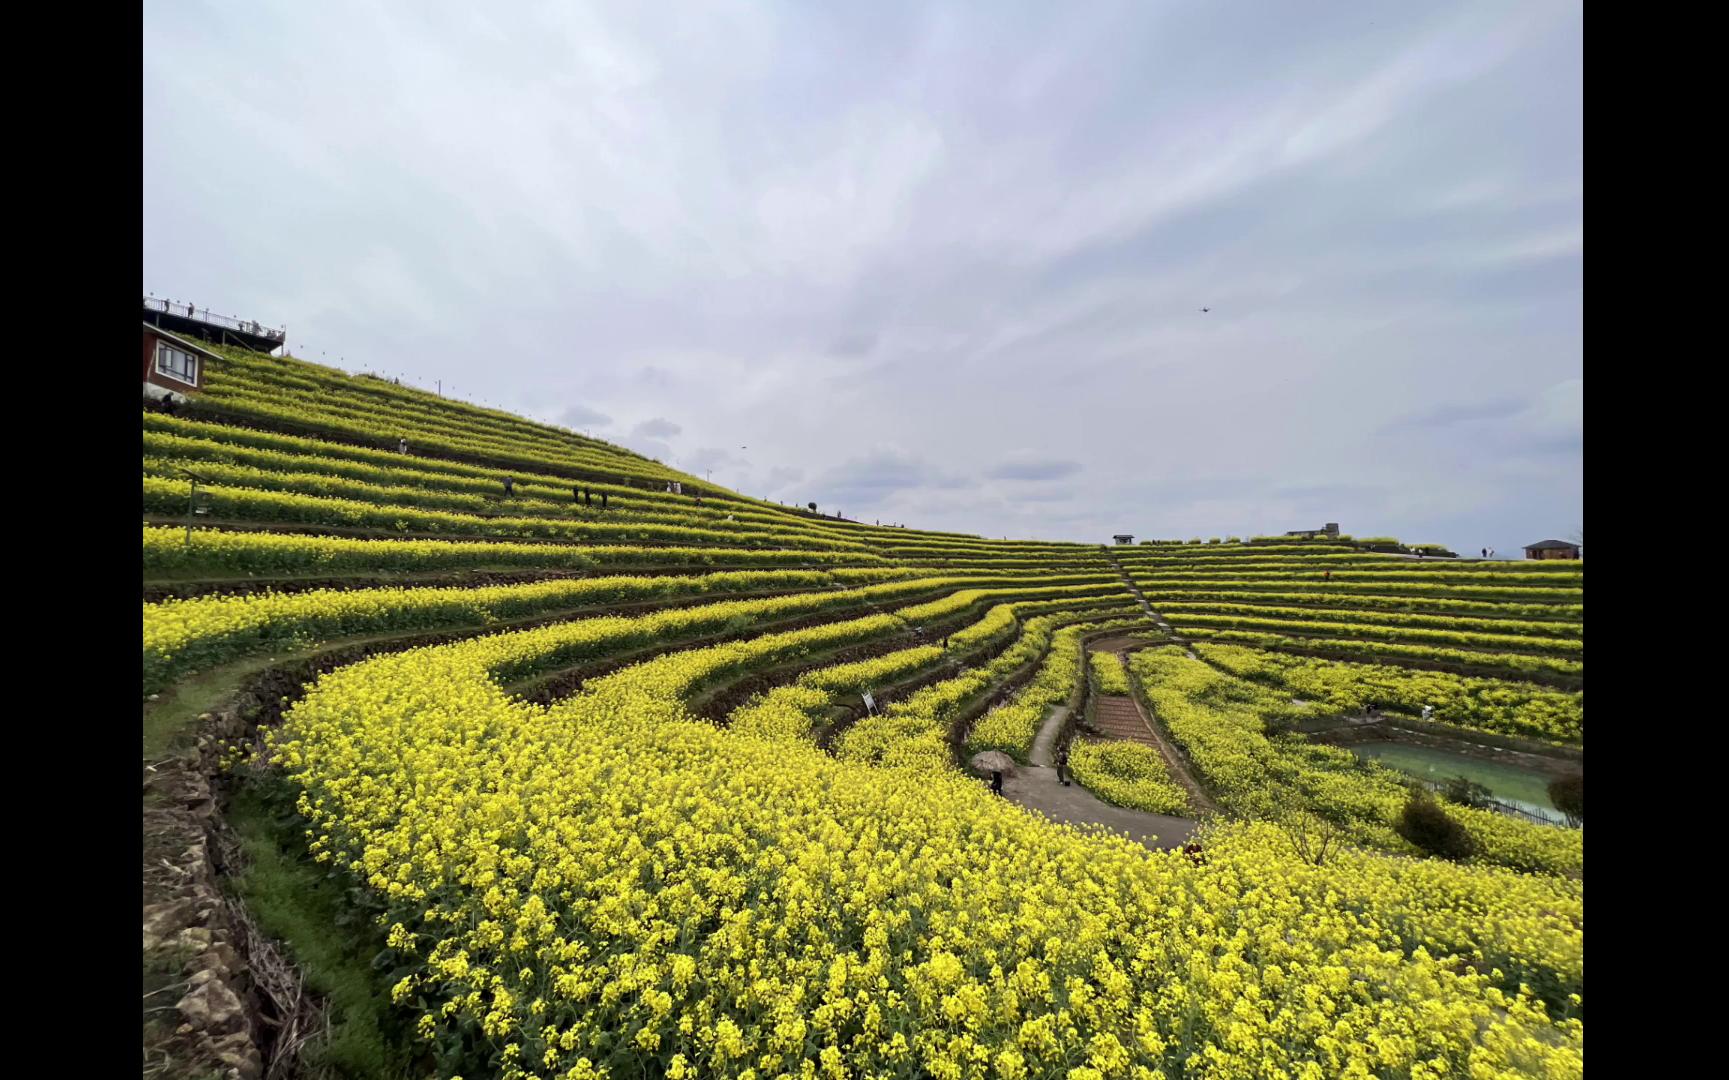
x,y
885,247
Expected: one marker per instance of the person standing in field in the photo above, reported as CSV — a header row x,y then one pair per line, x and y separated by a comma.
x,y
1063,766
575,494
997,781
603,500
402,446
509,487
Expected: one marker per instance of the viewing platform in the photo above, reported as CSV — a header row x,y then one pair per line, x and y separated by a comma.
x,y
188,321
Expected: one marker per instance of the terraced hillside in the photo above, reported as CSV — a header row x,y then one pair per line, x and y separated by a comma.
x,y
537,783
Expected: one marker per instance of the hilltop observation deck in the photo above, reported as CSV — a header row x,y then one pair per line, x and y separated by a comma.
x,y
188,321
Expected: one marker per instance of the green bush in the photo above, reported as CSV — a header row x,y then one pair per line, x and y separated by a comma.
x,y
1273,724
1568,795
1464,792
1429,827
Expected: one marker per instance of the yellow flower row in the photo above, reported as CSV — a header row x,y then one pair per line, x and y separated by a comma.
x,y
1127,774
1498,705
1108,674
167,551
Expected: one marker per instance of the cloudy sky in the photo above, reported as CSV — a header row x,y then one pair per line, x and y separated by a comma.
x,y
935,263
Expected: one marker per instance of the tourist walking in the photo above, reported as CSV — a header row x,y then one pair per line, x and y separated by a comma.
x,y
402,446
997,781
603,500
1063,766
575,494
1428,711
509,487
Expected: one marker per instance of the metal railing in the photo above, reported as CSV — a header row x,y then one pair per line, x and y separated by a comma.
x,y
169,307
1501,806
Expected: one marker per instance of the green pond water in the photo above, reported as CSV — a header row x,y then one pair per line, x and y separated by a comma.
x,y
1522,788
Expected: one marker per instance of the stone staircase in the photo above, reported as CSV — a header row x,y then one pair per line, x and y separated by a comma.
x,y
1120,717
1117,718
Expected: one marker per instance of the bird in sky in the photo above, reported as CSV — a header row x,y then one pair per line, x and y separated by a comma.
x,y
1206,309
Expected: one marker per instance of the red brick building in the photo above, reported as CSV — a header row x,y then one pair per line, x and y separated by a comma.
x,y
173,365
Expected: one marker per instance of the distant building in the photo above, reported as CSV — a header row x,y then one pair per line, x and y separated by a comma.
x,y
173,365
1551,549
1123,538
1330,531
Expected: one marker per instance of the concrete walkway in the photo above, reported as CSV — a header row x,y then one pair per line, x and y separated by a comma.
x,y
1036,788
1044,748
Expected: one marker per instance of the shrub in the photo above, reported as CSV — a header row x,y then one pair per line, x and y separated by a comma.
x,y
1465,792
1428,826
1568,795
1313,836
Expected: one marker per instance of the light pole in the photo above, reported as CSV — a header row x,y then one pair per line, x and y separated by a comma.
x,y
191,500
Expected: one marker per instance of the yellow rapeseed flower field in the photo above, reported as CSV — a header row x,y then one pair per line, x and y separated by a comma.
x,y
604,882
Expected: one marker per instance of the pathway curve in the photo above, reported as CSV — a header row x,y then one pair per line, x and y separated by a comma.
x,y
1036,788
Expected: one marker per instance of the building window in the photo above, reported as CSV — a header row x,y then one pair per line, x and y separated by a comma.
x,y
176,363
